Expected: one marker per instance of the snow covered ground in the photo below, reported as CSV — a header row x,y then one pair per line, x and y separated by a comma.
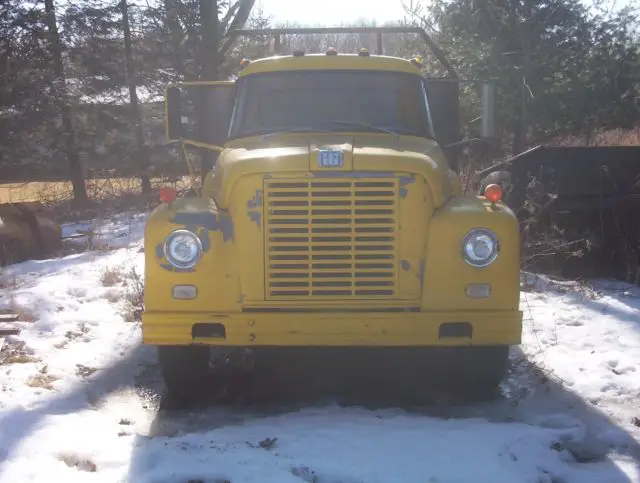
x,y
73,407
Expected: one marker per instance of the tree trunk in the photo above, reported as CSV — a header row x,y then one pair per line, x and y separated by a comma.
x,y
143,153
209,47
175,32
61,101
209,40
519,122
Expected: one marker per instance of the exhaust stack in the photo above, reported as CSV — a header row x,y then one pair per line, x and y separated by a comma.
x,y
488,127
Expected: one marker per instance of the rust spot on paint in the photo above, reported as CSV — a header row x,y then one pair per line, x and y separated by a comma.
x,y
404,181
211,221
257,200
256,217
253,207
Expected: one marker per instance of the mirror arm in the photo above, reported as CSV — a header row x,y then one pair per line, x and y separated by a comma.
x,y
465,142
198,144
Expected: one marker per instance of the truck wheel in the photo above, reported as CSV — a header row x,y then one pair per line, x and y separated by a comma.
x,y
183,367
479,370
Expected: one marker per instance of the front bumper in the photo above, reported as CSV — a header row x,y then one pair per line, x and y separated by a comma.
x,y
362,329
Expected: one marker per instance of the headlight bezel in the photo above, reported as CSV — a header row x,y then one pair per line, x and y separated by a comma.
x,y
479,231
167,251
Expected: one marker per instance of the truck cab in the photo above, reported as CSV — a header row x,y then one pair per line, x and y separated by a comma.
x,y
332,219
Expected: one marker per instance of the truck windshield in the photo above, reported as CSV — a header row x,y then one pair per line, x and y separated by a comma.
x,y
348,101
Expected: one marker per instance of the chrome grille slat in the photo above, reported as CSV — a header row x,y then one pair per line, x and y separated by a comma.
x,y
331,239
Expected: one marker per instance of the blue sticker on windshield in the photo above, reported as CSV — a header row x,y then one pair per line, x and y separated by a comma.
x,y
330,159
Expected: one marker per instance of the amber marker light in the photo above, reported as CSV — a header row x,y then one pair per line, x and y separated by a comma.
x,y
493,193
167,194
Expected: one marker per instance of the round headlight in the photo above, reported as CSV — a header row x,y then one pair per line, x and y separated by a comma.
x,y
182,248
480,247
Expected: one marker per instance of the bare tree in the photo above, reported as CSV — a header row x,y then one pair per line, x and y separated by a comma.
x,y
143,152
213,50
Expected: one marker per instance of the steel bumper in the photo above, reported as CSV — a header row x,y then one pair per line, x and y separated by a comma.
x,y
373,329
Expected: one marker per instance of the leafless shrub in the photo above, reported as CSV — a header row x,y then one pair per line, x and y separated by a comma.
x,y
9,282
573,242
108,195
14,352
111,276
601,137
113,296
134,297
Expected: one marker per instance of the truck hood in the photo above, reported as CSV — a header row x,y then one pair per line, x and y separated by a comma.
x,y
299,154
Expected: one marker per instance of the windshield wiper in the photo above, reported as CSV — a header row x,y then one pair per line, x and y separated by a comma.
x,y
318,129
368,126
296,129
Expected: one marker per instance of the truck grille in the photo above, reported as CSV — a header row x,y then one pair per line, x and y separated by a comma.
x,y
331,239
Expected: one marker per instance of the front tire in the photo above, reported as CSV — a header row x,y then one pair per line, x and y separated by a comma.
x,y
479,370
183,367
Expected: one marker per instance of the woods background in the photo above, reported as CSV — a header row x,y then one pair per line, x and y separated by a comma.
x,y
82,81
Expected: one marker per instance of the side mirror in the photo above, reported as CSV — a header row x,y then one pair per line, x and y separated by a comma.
x,y
488,126
199,112
444,102
174,113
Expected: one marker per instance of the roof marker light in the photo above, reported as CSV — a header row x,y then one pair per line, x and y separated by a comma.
x,y
332,51
418,62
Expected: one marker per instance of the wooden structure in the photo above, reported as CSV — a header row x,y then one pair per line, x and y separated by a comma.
x,y
7,330
587,198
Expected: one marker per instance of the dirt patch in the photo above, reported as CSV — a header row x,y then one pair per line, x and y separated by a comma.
x,y
44,381
83,329
15,353
62,344
73,460
85,371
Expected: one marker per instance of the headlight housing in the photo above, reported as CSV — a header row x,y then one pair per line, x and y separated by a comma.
x,y
182,248
480,247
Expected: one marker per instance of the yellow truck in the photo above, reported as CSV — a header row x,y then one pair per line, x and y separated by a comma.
x,y
332,219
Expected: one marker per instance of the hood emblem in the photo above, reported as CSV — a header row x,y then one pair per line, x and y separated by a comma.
x,y
328,158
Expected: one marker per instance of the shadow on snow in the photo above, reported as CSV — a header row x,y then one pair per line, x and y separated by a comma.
x,y
527,397
17,424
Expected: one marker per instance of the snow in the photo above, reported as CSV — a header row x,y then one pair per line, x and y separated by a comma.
x,y
72,408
